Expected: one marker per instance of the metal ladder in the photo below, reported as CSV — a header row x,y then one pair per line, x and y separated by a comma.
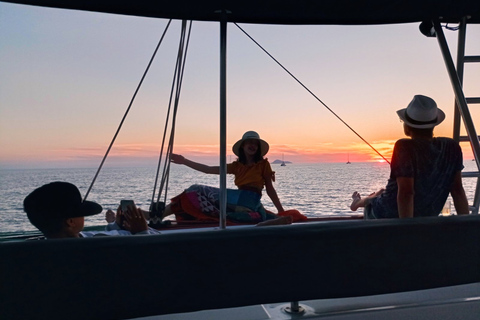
x,y
462,111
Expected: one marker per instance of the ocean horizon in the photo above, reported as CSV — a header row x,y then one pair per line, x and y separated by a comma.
x,y
314,189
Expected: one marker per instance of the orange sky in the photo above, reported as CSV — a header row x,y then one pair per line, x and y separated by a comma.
x,y
148,155
68,76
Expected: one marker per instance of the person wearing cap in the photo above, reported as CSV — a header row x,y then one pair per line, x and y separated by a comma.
x,y
424,169
252,173
57,210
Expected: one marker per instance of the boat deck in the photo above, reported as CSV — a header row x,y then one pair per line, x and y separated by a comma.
x,y
407,268
456,302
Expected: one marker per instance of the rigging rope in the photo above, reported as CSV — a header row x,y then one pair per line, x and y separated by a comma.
x,y
127,111
176,88
305,87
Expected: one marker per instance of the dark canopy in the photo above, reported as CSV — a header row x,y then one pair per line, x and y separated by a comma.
x,y
283,12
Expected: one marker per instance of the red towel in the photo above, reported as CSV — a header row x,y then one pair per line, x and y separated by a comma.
x,y
295,214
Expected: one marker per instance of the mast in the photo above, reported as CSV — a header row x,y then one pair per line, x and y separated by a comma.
x,y
223,119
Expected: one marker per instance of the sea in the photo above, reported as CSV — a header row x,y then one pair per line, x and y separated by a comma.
x,y
314,189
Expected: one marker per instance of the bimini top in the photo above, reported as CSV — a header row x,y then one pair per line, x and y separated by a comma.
x,y
282,12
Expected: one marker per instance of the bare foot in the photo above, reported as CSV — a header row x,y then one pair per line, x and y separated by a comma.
x,y
357,201
167,211
277,221
110,216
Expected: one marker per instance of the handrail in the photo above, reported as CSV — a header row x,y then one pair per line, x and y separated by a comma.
x,y
131,277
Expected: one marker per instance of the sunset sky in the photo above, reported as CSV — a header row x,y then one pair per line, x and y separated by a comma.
x,y
67,77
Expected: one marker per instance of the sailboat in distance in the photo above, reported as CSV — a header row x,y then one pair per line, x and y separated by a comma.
x,y
283,161
348,158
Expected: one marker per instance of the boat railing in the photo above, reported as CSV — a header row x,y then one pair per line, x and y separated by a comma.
x,y
131,277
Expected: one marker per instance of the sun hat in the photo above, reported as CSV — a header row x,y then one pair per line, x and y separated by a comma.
x,y
58,200
422,112
251,135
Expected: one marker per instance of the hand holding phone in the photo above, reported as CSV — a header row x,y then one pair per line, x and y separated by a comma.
x,y
133,218
124,204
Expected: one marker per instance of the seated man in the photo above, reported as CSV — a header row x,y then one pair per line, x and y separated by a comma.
x,y
57,210
424,169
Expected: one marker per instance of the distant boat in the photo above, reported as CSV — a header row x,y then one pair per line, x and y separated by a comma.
x,y
348,159
283,162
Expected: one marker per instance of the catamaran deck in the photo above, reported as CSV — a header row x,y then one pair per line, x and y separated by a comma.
x,y
343,269
456,302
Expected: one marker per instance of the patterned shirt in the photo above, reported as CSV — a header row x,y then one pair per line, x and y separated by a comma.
x,y
432,164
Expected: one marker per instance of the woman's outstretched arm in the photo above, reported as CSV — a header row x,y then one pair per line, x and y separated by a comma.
x,y
179,159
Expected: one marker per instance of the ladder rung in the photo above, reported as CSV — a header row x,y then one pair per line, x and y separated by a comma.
x,y
473,100
471,59
465,138
471,174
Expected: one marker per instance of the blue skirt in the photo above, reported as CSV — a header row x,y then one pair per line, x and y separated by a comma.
x,y
202,202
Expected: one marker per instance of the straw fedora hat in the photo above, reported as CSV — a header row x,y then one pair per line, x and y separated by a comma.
x,y
422,112
251,135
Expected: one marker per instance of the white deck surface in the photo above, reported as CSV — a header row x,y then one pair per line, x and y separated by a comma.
x,y
458,302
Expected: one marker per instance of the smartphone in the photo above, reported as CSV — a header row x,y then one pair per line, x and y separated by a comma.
x,y
126,203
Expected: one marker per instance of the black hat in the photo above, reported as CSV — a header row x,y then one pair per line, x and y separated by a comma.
x,y
57,200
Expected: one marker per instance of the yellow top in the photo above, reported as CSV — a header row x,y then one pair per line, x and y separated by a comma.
x,y
251,176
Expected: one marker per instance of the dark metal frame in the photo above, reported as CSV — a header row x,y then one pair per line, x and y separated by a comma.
x,y
461,102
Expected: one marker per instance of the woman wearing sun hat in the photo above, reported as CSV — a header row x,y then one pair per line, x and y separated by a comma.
x,y
424,169
252,172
